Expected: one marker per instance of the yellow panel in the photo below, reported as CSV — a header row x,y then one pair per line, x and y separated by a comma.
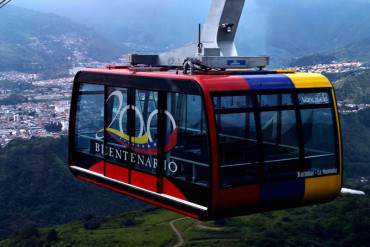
x,y
322,188
339,133
309,80
285,71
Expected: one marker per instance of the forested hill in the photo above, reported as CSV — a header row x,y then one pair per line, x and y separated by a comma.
x,y
38,42
37,188
342,223
354,87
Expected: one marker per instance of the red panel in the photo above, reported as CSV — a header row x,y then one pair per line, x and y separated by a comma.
x,y
241,197
223,199
141,198
223,83
143,180
98,167
213,145
214,82
116,172
170,189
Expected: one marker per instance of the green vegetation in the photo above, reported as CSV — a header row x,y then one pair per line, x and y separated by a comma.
x,y
354,87
356,140
344,222
37,188
32,41
359,50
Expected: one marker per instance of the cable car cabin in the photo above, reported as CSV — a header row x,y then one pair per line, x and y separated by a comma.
x,y
208,145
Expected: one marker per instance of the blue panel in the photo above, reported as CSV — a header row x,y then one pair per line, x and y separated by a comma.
x,y
283,191
236,62
266,82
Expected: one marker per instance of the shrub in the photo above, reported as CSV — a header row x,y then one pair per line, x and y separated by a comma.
x,y
92,224
29,231
52,235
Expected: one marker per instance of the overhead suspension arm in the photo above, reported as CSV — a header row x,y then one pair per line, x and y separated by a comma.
x,y
221,26
216,46
4,2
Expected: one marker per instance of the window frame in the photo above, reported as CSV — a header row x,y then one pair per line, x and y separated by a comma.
x,y
163,86
205,124
297,107
73,153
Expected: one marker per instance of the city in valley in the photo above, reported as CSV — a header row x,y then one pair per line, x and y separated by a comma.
x,y
28,105
32,106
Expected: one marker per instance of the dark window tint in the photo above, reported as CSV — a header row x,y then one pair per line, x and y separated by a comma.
x,y
280,144
319,138
280,141
237,140
232,102
145,140
90,119
314,98
238,152
117,135
186,141
272,100
86,87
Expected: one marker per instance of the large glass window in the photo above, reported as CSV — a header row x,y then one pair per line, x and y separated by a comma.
x,y
131,128
237,139
116,130
90,119
232,102
319,142
145,141
271,100
186,141
280,144
294,135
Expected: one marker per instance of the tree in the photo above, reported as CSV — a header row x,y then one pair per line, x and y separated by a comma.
x,y
52,235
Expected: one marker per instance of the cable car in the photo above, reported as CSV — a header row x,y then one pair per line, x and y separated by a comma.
x,y
207,146
200,132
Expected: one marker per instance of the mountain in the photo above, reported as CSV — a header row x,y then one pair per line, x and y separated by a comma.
x,y
35,41
354,87
282,29
355,51
37,188
359,50
356,142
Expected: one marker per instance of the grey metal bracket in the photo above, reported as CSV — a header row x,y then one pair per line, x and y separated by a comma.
x,y
216,46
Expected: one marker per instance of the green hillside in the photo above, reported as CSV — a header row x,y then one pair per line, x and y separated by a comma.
x,y
359,50
354,87
36,187
353,51
344,222
34,41
356,140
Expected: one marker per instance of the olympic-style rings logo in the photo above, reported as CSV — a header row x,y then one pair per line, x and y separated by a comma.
x,y
143,143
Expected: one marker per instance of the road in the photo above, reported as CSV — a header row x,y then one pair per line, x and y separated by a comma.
x,y
177,232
